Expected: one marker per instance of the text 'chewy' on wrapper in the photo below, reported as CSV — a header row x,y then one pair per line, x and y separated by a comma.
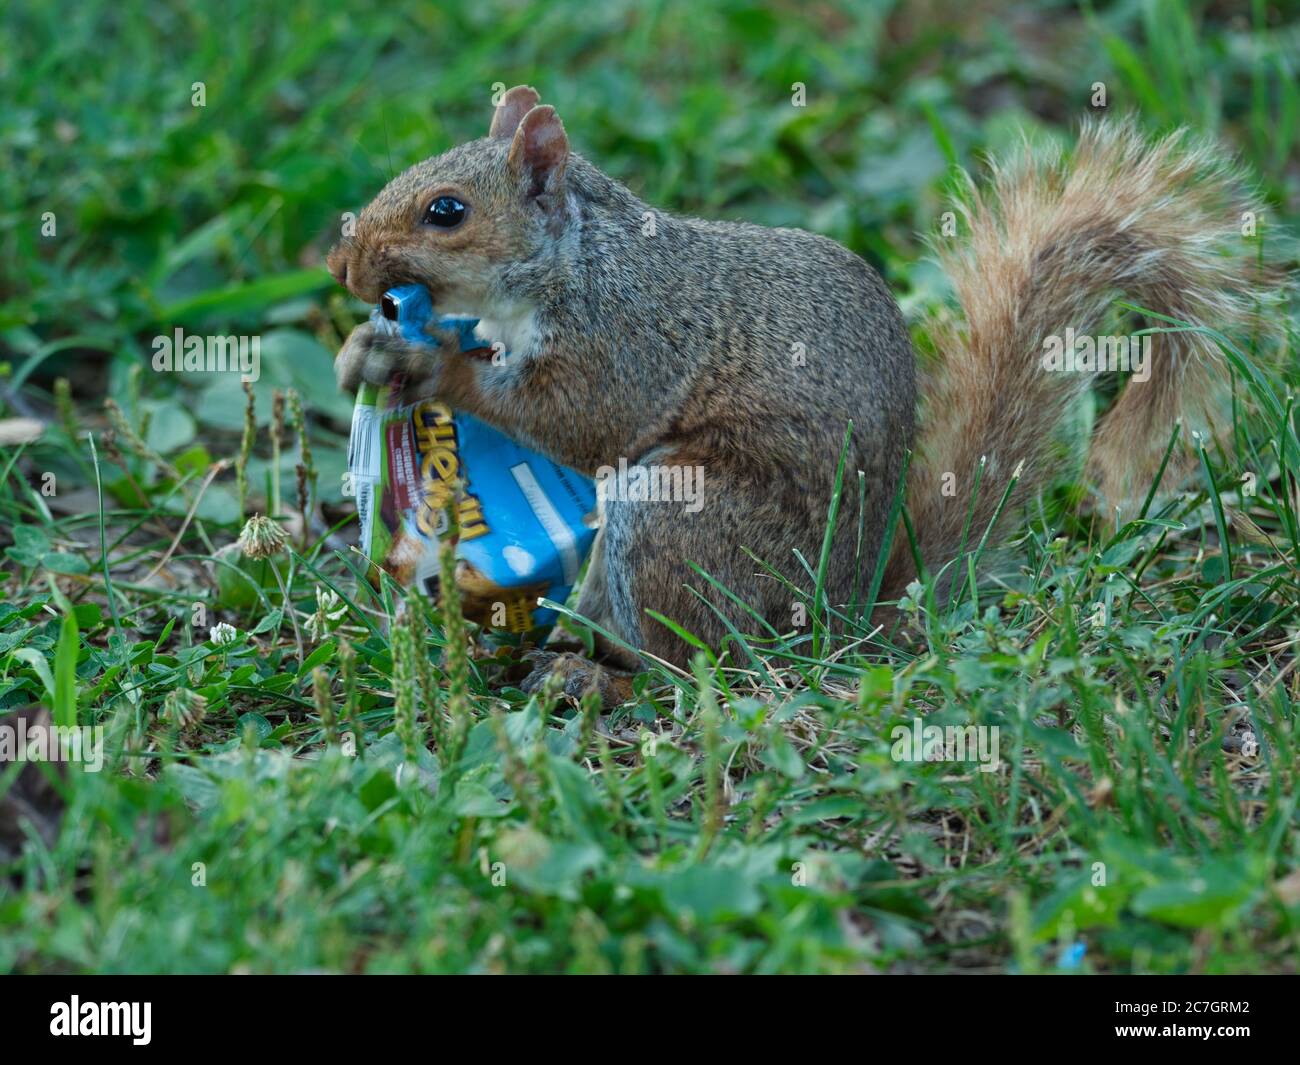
x,y
523,518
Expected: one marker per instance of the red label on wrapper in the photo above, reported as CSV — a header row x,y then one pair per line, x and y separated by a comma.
x,y
404,476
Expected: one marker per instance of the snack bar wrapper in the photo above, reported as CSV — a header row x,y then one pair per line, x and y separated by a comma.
x,y
524,529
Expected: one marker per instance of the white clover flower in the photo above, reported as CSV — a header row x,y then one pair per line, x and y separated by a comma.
x,y
222,634
184,707
262,537
329,603
330,610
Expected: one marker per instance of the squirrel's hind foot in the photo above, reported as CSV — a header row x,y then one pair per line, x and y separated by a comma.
x,y
577,676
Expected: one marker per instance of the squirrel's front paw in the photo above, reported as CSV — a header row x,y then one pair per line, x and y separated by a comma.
x,y
371,356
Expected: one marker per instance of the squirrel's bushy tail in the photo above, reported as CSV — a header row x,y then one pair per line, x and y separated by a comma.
x,y
1048,247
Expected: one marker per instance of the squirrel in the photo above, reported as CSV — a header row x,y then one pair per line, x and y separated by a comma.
x,y
745,352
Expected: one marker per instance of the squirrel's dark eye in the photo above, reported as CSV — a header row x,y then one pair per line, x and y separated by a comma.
x,y
445,211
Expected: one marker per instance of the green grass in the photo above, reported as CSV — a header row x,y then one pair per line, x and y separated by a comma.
x,y
747,817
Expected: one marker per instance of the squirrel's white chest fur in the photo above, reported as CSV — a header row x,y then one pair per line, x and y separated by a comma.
x,y
513,325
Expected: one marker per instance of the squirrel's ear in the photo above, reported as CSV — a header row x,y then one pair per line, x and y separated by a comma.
x,y
540,150
516,103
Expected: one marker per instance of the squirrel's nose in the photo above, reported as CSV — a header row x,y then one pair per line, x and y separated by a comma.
x,y
338,266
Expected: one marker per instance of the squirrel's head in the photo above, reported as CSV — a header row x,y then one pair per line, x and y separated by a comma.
x,y
454,222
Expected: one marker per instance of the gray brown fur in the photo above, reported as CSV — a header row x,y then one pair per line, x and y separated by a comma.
x,y
1050,245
